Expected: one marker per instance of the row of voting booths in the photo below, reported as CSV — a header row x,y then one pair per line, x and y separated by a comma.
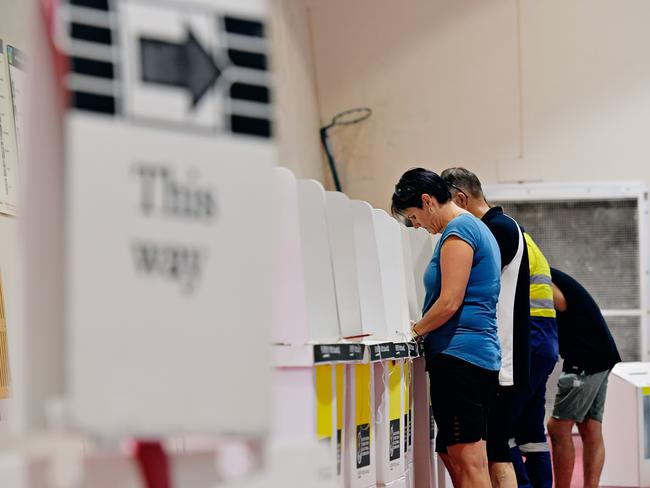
x,y
347,372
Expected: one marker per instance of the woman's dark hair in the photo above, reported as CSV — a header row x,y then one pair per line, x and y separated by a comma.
x,y
413,184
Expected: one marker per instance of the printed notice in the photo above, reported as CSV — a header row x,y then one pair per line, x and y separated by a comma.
x,y
17,82
363,446
8,144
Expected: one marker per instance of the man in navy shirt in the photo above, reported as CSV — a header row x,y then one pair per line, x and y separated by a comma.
x,y
589,353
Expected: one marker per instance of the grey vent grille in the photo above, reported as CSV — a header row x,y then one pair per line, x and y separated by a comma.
x,y
596,242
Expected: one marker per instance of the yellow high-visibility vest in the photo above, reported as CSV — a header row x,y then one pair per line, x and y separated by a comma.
x,y
541,292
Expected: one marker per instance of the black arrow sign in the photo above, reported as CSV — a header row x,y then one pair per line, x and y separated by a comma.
x,y
186,65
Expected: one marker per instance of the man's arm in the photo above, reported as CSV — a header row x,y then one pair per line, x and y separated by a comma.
x,y
558,299
507,237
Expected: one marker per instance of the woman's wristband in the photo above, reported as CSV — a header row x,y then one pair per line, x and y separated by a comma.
x,y
414,333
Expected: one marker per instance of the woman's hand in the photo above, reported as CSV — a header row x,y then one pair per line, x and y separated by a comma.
x,y
415,336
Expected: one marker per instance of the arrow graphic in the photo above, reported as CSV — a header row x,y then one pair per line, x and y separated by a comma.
x,y
186,65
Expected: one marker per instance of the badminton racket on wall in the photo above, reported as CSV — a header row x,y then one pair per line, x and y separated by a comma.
x,y
349,117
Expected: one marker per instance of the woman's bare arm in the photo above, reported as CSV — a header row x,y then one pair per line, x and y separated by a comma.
x,y
455,266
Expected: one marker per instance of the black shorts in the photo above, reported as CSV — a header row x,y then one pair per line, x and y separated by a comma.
x,y
500,427
460,396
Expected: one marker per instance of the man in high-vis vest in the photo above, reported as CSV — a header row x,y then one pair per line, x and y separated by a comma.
x,y
530,438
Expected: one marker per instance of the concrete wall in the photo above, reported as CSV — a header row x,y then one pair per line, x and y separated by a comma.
x,y
298,113
513,89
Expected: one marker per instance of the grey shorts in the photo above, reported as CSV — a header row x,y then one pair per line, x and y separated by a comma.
x,y
581,396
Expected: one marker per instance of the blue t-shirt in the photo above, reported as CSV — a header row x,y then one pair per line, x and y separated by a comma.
x,y
471,334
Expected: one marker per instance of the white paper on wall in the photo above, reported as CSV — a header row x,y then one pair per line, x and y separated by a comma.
x,y
320,293
8,144
16,60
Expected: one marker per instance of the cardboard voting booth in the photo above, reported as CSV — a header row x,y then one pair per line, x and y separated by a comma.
x,y
320,295
422,247
415,308
290,324
408,405
422,473
389,420
391,259
306,413
398,483
359,466
371,295
341,234
626,426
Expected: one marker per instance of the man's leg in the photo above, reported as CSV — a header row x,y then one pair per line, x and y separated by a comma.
x,y
519,468
563,451
499,431
529,431
539,468
470,464
593,454
502,475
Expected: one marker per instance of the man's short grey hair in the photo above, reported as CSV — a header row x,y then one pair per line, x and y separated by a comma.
x,y
464,179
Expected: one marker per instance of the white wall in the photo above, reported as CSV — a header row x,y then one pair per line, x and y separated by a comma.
x,y
14,20
511,89
295,90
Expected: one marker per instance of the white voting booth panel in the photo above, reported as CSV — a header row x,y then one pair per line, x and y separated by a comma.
x,y
408,405
391,259
287,465
398,483
389,420
341,233
306,413
626,426
422,472
415,309
17,470
371,296
323,321
359,456
422,247
290,307
168,284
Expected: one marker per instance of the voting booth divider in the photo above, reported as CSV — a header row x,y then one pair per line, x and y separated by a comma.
x,y
353,380
626,426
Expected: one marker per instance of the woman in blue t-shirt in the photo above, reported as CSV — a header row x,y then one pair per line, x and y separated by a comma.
x,y
458,322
